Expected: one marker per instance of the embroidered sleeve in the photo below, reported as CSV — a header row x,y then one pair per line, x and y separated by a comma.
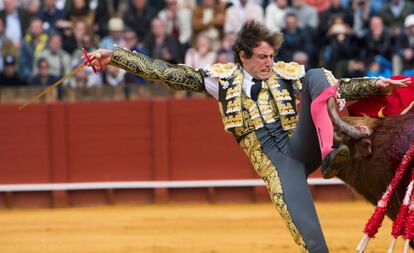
x,y
357,88
177,77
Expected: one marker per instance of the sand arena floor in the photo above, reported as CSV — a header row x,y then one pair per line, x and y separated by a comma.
x,y
249,228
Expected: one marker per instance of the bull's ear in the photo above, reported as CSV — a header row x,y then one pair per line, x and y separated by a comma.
x,y
364,148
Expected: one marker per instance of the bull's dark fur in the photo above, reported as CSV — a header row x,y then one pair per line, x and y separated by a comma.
x,y
370,173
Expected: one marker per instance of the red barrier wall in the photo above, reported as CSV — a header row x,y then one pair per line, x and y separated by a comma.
x,y
161,139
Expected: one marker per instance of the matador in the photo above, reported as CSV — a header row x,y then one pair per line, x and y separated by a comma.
x,y
257,99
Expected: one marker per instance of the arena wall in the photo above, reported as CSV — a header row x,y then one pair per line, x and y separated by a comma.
x,y
129,141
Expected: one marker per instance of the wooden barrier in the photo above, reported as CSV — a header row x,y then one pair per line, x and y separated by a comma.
x,y
146,140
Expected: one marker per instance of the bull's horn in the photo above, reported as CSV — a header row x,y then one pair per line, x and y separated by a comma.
x,y
343,126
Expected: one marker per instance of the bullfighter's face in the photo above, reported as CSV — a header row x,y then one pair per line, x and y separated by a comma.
x,y
259,65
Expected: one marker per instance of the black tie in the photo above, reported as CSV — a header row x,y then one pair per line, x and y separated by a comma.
x,y
255,89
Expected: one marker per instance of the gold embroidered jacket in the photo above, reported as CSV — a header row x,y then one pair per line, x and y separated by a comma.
x,y
240,114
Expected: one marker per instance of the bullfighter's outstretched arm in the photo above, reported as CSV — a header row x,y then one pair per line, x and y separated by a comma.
x,y
357,88
177,77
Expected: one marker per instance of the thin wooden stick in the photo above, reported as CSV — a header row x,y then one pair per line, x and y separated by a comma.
x,y
47,89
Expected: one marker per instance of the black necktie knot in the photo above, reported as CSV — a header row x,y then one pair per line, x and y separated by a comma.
x,y
255,89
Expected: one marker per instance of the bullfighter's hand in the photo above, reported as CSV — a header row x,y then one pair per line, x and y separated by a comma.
x,y
386,85
102,55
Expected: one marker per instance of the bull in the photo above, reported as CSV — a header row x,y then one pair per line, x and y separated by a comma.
x,y
376,153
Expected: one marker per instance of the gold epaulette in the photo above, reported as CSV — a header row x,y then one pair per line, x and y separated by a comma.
x,y
220,70
289,70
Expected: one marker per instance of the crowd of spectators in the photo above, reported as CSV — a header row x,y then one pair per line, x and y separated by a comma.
x,y
41,40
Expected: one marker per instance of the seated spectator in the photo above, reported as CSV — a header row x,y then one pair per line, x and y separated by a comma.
x,y
9,76
335,9
201,55
237,14
43,77
361,13
177,22
6,45
222,57
87,43
50,15
404,47
295,39
307,16
275,14
161,45
85,78
377,41
379,66
58,58
114,76
139,16
394,13
301,58
33,44
226,45
339,47
208,18
355,68
16,21
116,29
72,38
79,10
132,43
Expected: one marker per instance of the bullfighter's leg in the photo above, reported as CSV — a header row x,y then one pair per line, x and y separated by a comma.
x,y
286,183
313,138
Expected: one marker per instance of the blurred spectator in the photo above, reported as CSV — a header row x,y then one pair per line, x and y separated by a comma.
x,y
307,16
237,14
6,46
361,13
138,17
85,78
295,39
88,43
33,44
202,54
394,14
335,9
227,44
72,39
223,57
114,76
50,15
79,10
10,77
132,43
405,46
208,18
301,58
377,42
16,21
161,45
43,77
339,47
177,22
275,14
379,66
102,15
355,68
116,29
58,58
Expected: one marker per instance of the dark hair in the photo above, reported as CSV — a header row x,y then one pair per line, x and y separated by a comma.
x,y
249,37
